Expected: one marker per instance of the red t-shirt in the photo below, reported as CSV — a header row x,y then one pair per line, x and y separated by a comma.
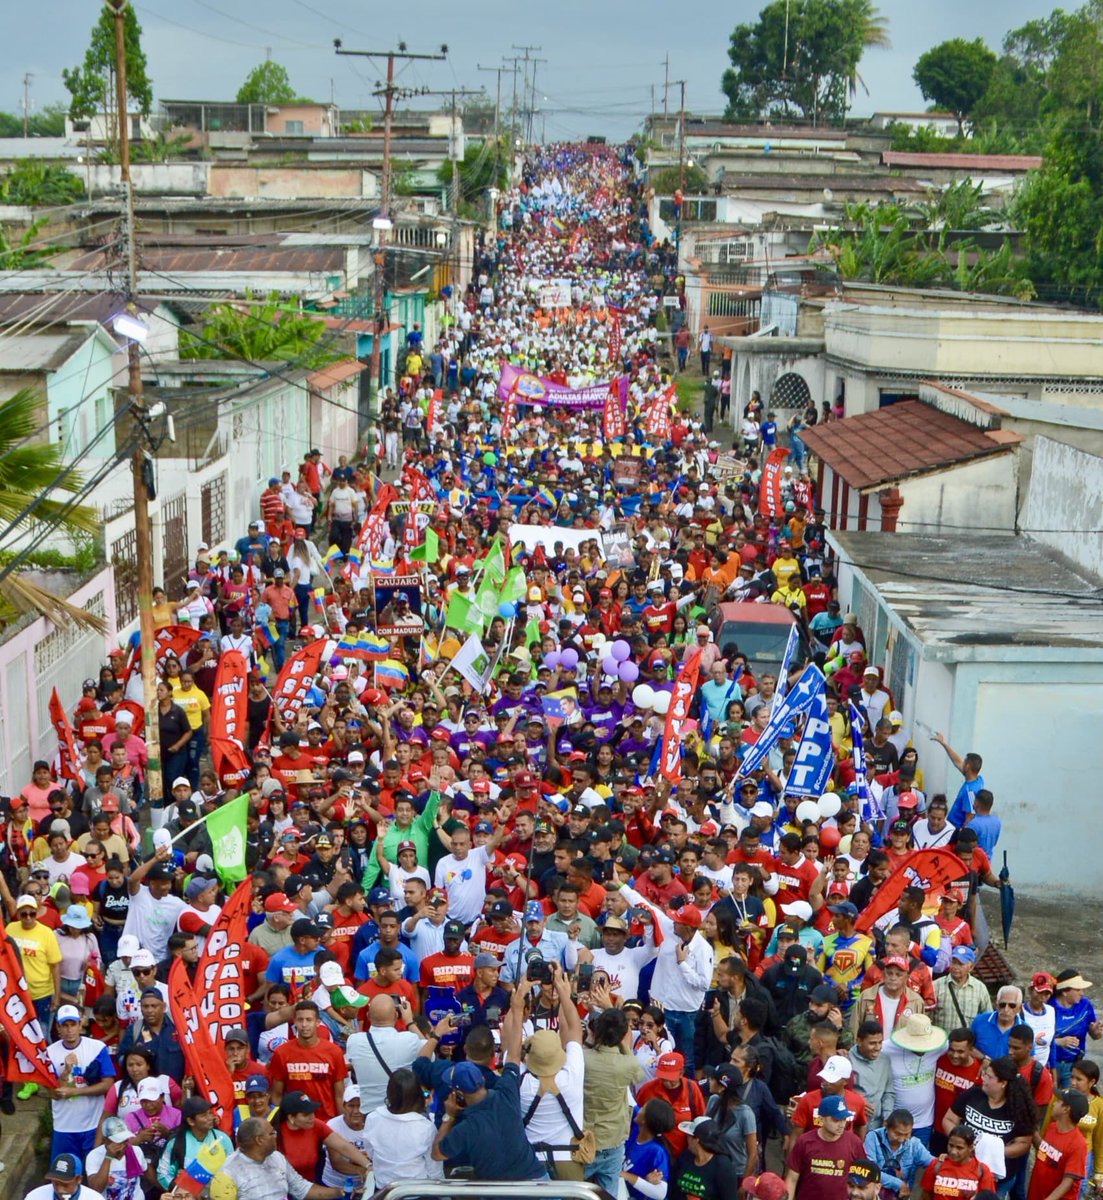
x,y
303,1147
311,1069
795,881
947,1181
660,894
488,939
402,988
447,970
822,1166
241,1075
807,1113
951,1082
344,930
1058,1155
688,1102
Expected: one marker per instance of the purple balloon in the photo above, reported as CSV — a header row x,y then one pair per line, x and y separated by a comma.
x,y
552,660
628,672
621,650
609,665
568,659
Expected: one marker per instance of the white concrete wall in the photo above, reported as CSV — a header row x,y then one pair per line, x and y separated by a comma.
x,y
153,179
1065,498
981,496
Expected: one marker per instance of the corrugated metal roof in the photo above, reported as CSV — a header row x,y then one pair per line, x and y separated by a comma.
x,y
978,162
975,597
908,438
21,353
320,260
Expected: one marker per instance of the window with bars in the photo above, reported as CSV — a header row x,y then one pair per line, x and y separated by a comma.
x,y
174,546
212,497
790,391
124,564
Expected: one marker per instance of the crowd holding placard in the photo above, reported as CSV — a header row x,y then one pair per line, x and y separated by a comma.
x,y
486,850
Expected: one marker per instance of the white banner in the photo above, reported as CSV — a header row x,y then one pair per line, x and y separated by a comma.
x,y
473,662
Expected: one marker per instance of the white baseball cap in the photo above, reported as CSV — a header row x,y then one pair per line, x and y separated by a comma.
x,y
330,975
799,908
837,1067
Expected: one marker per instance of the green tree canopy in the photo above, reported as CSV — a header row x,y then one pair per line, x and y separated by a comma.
x,y
92,85
476,171
955,76
38,184
267,83
268,331
665,182
800,59
50,122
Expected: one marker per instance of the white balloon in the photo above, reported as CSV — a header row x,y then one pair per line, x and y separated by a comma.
x,y
808,810
829,805
661,703
643,695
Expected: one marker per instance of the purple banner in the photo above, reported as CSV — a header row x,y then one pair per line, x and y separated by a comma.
x,y
543,393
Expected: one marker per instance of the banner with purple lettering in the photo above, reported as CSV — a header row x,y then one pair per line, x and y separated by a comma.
x,y
539,392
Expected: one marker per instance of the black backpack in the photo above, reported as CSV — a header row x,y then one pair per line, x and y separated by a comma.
x,y
787,1078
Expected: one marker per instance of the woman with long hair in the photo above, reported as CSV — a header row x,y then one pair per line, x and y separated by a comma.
x,y
399,1136
302,1136
651,1040
134,1066
768,1117
647,1155
1002,1105
733,1117
705,1171
722,935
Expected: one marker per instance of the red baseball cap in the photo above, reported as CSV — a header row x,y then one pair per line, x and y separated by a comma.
x,y
278,902
670,1066
766,1186
1043,982
481,786
688,914
894,960
907,800
440,734
524,779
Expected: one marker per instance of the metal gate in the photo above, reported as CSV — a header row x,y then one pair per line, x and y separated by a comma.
x,y
124,564
212,498
174,538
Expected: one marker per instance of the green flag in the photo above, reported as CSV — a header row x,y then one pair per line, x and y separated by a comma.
x,y
463,614
494,565
226,827
429,550
514,587
532,632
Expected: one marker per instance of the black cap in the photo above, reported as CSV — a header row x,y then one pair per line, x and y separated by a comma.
x,y
824,994
64,1169
298,1102
453,929
501,908
1077,1103
304,927
162,872
864,1170
195,1106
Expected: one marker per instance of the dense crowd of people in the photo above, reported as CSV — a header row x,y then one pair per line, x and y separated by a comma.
x,y
539,918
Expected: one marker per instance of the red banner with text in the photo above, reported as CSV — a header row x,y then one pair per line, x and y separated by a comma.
x,y
221,978
685,686
68,762
28,1061
202,1061
770,502
931,870
229,717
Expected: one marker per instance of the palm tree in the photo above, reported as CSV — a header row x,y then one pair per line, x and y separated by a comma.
x,y
873,34
268,331
29,469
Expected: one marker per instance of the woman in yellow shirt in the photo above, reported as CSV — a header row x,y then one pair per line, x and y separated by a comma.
x,y
197,708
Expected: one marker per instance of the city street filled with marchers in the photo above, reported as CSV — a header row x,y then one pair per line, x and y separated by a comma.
x,y
537,787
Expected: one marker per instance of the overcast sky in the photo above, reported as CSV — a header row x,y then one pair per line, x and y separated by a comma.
x,y
604,56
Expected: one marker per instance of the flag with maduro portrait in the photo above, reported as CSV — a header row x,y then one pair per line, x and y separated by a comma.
x,y
229,716
203,1061
27,1060
932,870
68,762
770,501
685,687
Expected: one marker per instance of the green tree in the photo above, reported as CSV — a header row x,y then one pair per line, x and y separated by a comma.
x,y
269,331
476,171
30,469
92,86
665,182
50,122
36,184
267,83
800,58
955,76
27,253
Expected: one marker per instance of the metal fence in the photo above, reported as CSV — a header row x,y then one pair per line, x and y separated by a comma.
x,y
174,535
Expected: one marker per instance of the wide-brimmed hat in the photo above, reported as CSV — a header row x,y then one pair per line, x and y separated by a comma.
x,y
545,1055
919,1034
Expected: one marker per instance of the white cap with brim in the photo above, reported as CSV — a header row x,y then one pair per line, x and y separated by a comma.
x,y
25,901
68,1012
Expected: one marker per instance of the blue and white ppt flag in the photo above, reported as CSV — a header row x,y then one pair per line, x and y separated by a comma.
x,y
797,702
815,758
871,810
787,662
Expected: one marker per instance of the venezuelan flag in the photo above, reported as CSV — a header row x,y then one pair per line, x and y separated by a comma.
x,y
332,558
391,674
545,496
372,647
355,557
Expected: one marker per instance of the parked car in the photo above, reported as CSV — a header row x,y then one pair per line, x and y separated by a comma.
x,y
761,632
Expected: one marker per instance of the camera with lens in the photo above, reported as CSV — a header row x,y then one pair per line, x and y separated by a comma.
x,y
539,970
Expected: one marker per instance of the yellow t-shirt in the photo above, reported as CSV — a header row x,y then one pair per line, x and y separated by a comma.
x,y
194,702
40,951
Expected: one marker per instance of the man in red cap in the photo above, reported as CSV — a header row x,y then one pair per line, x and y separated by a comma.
x,y
682,1093
274,932
683,968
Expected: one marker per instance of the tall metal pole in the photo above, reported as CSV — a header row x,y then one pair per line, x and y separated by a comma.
x,y
27,104
497,121
143,541
379,256
682,138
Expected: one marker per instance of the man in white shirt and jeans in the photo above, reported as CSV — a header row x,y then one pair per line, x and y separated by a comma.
x,y
340,510
374,1056
683,970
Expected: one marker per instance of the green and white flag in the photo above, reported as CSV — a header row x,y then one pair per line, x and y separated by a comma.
x,y
473,662
227,829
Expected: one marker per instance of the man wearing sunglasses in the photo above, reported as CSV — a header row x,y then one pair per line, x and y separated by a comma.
x,y
992,1030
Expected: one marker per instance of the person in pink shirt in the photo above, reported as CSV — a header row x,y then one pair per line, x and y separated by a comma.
x,y
124,736
37,792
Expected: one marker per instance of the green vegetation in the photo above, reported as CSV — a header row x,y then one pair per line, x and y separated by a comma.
x,y
269,83
39,184
955,75
890,244
665,182
476,172
92,86
260,331
27,253
800,59
50,122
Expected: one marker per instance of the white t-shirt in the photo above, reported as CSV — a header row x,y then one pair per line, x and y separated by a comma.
x,y
548,1123
152,921
396,878
205,918
358,1137
624,968
270,1041
913,1080
343,499
79,1114
400,1145
118,1186
465,882
1044,1025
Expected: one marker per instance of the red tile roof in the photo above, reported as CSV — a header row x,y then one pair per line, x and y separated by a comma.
x,y
978,162
908,438
336,372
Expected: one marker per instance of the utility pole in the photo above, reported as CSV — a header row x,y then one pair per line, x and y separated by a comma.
x,y
27,104
513,115
532,107
454,153
682,136
143,542
382,223
526,59
497,120
666,85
